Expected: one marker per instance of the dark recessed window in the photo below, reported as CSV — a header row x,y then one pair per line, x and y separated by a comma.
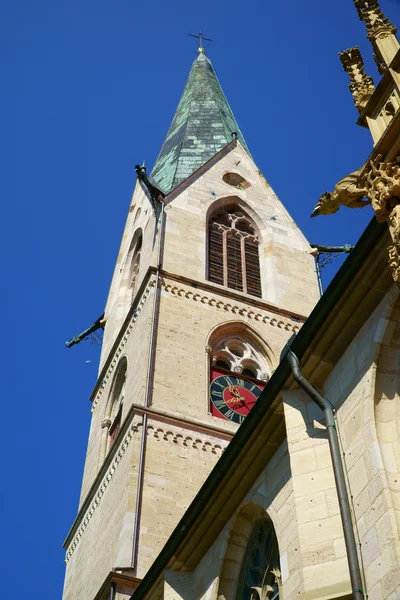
x,y
233,258
236,180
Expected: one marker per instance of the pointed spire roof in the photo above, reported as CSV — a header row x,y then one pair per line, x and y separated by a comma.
x,y
203,124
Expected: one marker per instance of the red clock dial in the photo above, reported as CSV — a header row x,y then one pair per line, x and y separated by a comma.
x,y
232,396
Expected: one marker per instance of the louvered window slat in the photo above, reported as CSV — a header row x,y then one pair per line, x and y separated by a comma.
x,y
234,263
226,262
252,268
215,256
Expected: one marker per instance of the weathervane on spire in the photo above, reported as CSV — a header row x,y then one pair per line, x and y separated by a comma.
x,y
201,38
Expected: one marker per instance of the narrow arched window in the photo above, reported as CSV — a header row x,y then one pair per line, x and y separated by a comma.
x,y
260,576
135,266
233,259
117,401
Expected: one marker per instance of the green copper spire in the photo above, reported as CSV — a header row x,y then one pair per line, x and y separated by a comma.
x,y
203,124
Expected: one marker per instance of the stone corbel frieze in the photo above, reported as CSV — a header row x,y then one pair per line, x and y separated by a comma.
x,y
377,184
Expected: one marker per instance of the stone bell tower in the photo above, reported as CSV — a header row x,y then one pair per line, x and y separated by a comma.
x,y
212,277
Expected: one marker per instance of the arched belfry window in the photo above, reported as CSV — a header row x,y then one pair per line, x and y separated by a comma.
x,y
135,266
233,259
116,402
260,575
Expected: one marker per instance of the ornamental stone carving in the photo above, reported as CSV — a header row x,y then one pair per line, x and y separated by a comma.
x,y
378,184
382,180
394,261
348,192
380,31
361,85
376,22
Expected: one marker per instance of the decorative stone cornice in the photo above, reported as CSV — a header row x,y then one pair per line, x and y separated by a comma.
x,y
121,345
187,441
160,433
361,85
188,294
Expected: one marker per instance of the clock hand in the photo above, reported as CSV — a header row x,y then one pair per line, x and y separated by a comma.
x,y
235,392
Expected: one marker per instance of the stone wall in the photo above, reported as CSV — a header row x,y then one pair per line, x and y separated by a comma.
x,y
184,440
364,388
355,388
217,574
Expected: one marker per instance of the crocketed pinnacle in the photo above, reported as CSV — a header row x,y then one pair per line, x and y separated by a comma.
x,y
203,124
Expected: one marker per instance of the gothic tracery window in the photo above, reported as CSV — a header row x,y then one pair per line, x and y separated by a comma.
x,y
260,574
236,354
233,259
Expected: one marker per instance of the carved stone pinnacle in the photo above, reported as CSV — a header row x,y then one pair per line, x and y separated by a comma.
x,y
361,85
377,23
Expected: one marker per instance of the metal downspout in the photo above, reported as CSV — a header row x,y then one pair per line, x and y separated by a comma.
x,y
348,531
149,390
113,590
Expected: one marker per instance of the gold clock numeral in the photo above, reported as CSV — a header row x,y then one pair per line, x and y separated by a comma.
x,y
240,382
228,380
241,419
215,393
253,387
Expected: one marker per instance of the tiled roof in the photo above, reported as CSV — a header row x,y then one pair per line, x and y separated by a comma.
x,y
203,124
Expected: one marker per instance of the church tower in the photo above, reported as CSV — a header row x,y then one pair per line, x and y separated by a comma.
x,y
212,278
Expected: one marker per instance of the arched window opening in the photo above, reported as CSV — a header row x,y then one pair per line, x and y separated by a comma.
x,y
239,371
117,400
237,355
135,266
233,259
260,575
221,364
249,373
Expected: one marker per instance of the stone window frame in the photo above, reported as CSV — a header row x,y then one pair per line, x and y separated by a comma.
x,y
242,529
268,585
130,271
135,266
111,423
231,228
261,358
240,356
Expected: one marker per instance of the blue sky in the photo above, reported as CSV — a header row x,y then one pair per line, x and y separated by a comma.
x,y
88,90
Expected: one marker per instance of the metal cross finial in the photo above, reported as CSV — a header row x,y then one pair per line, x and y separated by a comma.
x,y
201,38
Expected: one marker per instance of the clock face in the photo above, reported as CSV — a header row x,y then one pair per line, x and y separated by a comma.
x,y
232,397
